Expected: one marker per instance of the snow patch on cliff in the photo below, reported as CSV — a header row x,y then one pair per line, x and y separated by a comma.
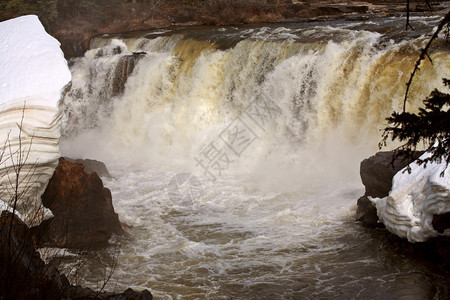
x,y
413,200
33,75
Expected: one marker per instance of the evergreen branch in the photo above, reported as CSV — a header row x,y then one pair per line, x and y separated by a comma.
x,y
430,126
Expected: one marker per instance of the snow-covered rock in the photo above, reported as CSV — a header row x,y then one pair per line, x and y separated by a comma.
x,y
413,200
33,75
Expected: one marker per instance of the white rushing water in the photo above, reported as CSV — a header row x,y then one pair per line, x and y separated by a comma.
x,y
235,156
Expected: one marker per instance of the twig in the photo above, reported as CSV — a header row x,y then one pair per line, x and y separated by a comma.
x,y
407,17
107,277
424,54
17,168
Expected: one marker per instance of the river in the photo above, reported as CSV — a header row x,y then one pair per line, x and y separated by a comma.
x,y
235,151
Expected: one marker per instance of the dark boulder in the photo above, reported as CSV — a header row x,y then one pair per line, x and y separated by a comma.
x,y
72,44
376,175
366,213
82,207
80,293
377,172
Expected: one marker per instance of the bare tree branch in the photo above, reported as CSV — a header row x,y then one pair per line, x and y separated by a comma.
x,y
407,17
424,54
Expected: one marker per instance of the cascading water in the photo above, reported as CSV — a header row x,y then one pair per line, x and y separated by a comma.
x,y
235,155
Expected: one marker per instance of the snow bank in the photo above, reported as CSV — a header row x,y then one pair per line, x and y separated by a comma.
x,y
33,74
413,200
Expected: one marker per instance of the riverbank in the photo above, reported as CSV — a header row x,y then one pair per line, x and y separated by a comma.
x,y
74,25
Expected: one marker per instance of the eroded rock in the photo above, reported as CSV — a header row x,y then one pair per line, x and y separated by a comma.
x,y
82,207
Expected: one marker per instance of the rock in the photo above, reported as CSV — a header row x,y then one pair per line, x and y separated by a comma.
x,y
91,165
377,172
322,9
129,294
82,209
366,213
124,69
72,43
23,274
376,175
78,292
442,246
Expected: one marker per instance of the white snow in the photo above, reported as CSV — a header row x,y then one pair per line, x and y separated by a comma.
x,y
413,200
32,64
33,74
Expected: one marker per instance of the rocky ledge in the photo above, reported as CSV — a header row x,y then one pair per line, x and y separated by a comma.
x,y
377,173
23,274
140,15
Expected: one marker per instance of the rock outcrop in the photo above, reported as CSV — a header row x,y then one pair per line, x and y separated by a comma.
x,y
82,207
23,275
138,16
376,175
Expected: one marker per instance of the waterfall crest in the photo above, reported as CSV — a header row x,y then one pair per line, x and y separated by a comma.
x,y
330,88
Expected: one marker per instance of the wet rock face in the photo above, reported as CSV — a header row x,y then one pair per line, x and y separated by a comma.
x,y
82,209
124,68
366,213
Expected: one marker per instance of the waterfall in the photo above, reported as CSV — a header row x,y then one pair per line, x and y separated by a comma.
x,y
169,103
235,153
